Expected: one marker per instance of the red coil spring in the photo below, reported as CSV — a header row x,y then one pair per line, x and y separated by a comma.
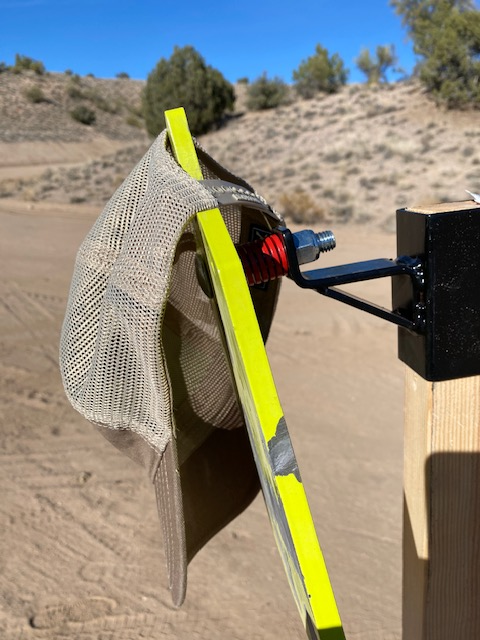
x,y
264,259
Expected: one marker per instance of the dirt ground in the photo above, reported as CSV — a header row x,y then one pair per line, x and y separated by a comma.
x,y
80,551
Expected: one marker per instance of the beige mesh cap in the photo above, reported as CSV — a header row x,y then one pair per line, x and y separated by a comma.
x,y
141,352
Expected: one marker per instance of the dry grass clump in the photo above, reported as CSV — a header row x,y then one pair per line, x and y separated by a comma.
x,y
34,94
9,187
82,113
330,207
299,206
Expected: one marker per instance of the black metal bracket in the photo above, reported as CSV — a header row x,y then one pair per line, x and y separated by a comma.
x,y
435,288
326,280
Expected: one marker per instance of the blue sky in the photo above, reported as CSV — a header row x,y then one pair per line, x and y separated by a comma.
x,y
240,39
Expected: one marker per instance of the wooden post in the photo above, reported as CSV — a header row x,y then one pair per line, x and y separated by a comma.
x,y
441,585
441,567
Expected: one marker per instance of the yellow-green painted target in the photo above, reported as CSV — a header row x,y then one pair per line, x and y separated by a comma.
x,y
272,448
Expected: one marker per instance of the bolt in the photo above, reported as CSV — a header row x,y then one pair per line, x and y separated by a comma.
x,y
309,244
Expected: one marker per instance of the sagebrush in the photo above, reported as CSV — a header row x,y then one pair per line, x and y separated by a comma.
x,y
83,114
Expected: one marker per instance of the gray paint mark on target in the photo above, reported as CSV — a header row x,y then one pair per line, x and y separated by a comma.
x,y
281,452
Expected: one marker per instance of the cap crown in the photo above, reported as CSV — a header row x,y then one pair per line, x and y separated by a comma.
x,y
140,347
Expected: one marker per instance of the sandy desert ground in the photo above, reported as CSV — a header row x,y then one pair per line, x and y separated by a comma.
x,y
80,550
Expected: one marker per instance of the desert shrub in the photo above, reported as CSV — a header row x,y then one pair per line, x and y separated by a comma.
x,y
329,193
185,80
243,80
265,93
342,211
289,172
24,63
8,188
469,151
83,114
446,36
122,75
34,94
299,206
133,121
74,91
333,156
320,73
375,67
3,67
102,103
68,72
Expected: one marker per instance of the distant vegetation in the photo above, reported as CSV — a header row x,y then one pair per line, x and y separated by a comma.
x,y
185,79
446,36
265,93
83,114
320,73
375,67
34,94
24,63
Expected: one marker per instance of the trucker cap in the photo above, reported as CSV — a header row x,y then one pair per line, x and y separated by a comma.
x,y
142,354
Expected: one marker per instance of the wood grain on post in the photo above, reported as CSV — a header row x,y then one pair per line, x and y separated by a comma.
x,y
441,587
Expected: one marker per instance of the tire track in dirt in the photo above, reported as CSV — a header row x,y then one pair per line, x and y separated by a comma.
x,y
14,390
32,315
55,622
100,534
58,210
81,611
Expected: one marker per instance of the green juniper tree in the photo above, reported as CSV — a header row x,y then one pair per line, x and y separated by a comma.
x,y
446,37
185,80
320,72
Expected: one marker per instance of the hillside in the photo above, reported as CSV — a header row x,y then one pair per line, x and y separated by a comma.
x,y
353,157
356,156
115,103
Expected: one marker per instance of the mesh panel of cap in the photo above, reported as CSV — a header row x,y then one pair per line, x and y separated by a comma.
x,y
135,300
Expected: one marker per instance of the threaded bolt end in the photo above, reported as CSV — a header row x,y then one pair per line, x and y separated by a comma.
x,y
326,241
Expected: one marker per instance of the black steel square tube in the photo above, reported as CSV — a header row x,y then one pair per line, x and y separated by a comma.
x,y
447,238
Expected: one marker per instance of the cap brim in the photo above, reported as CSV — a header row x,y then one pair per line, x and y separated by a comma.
x,y
168,492
196,500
